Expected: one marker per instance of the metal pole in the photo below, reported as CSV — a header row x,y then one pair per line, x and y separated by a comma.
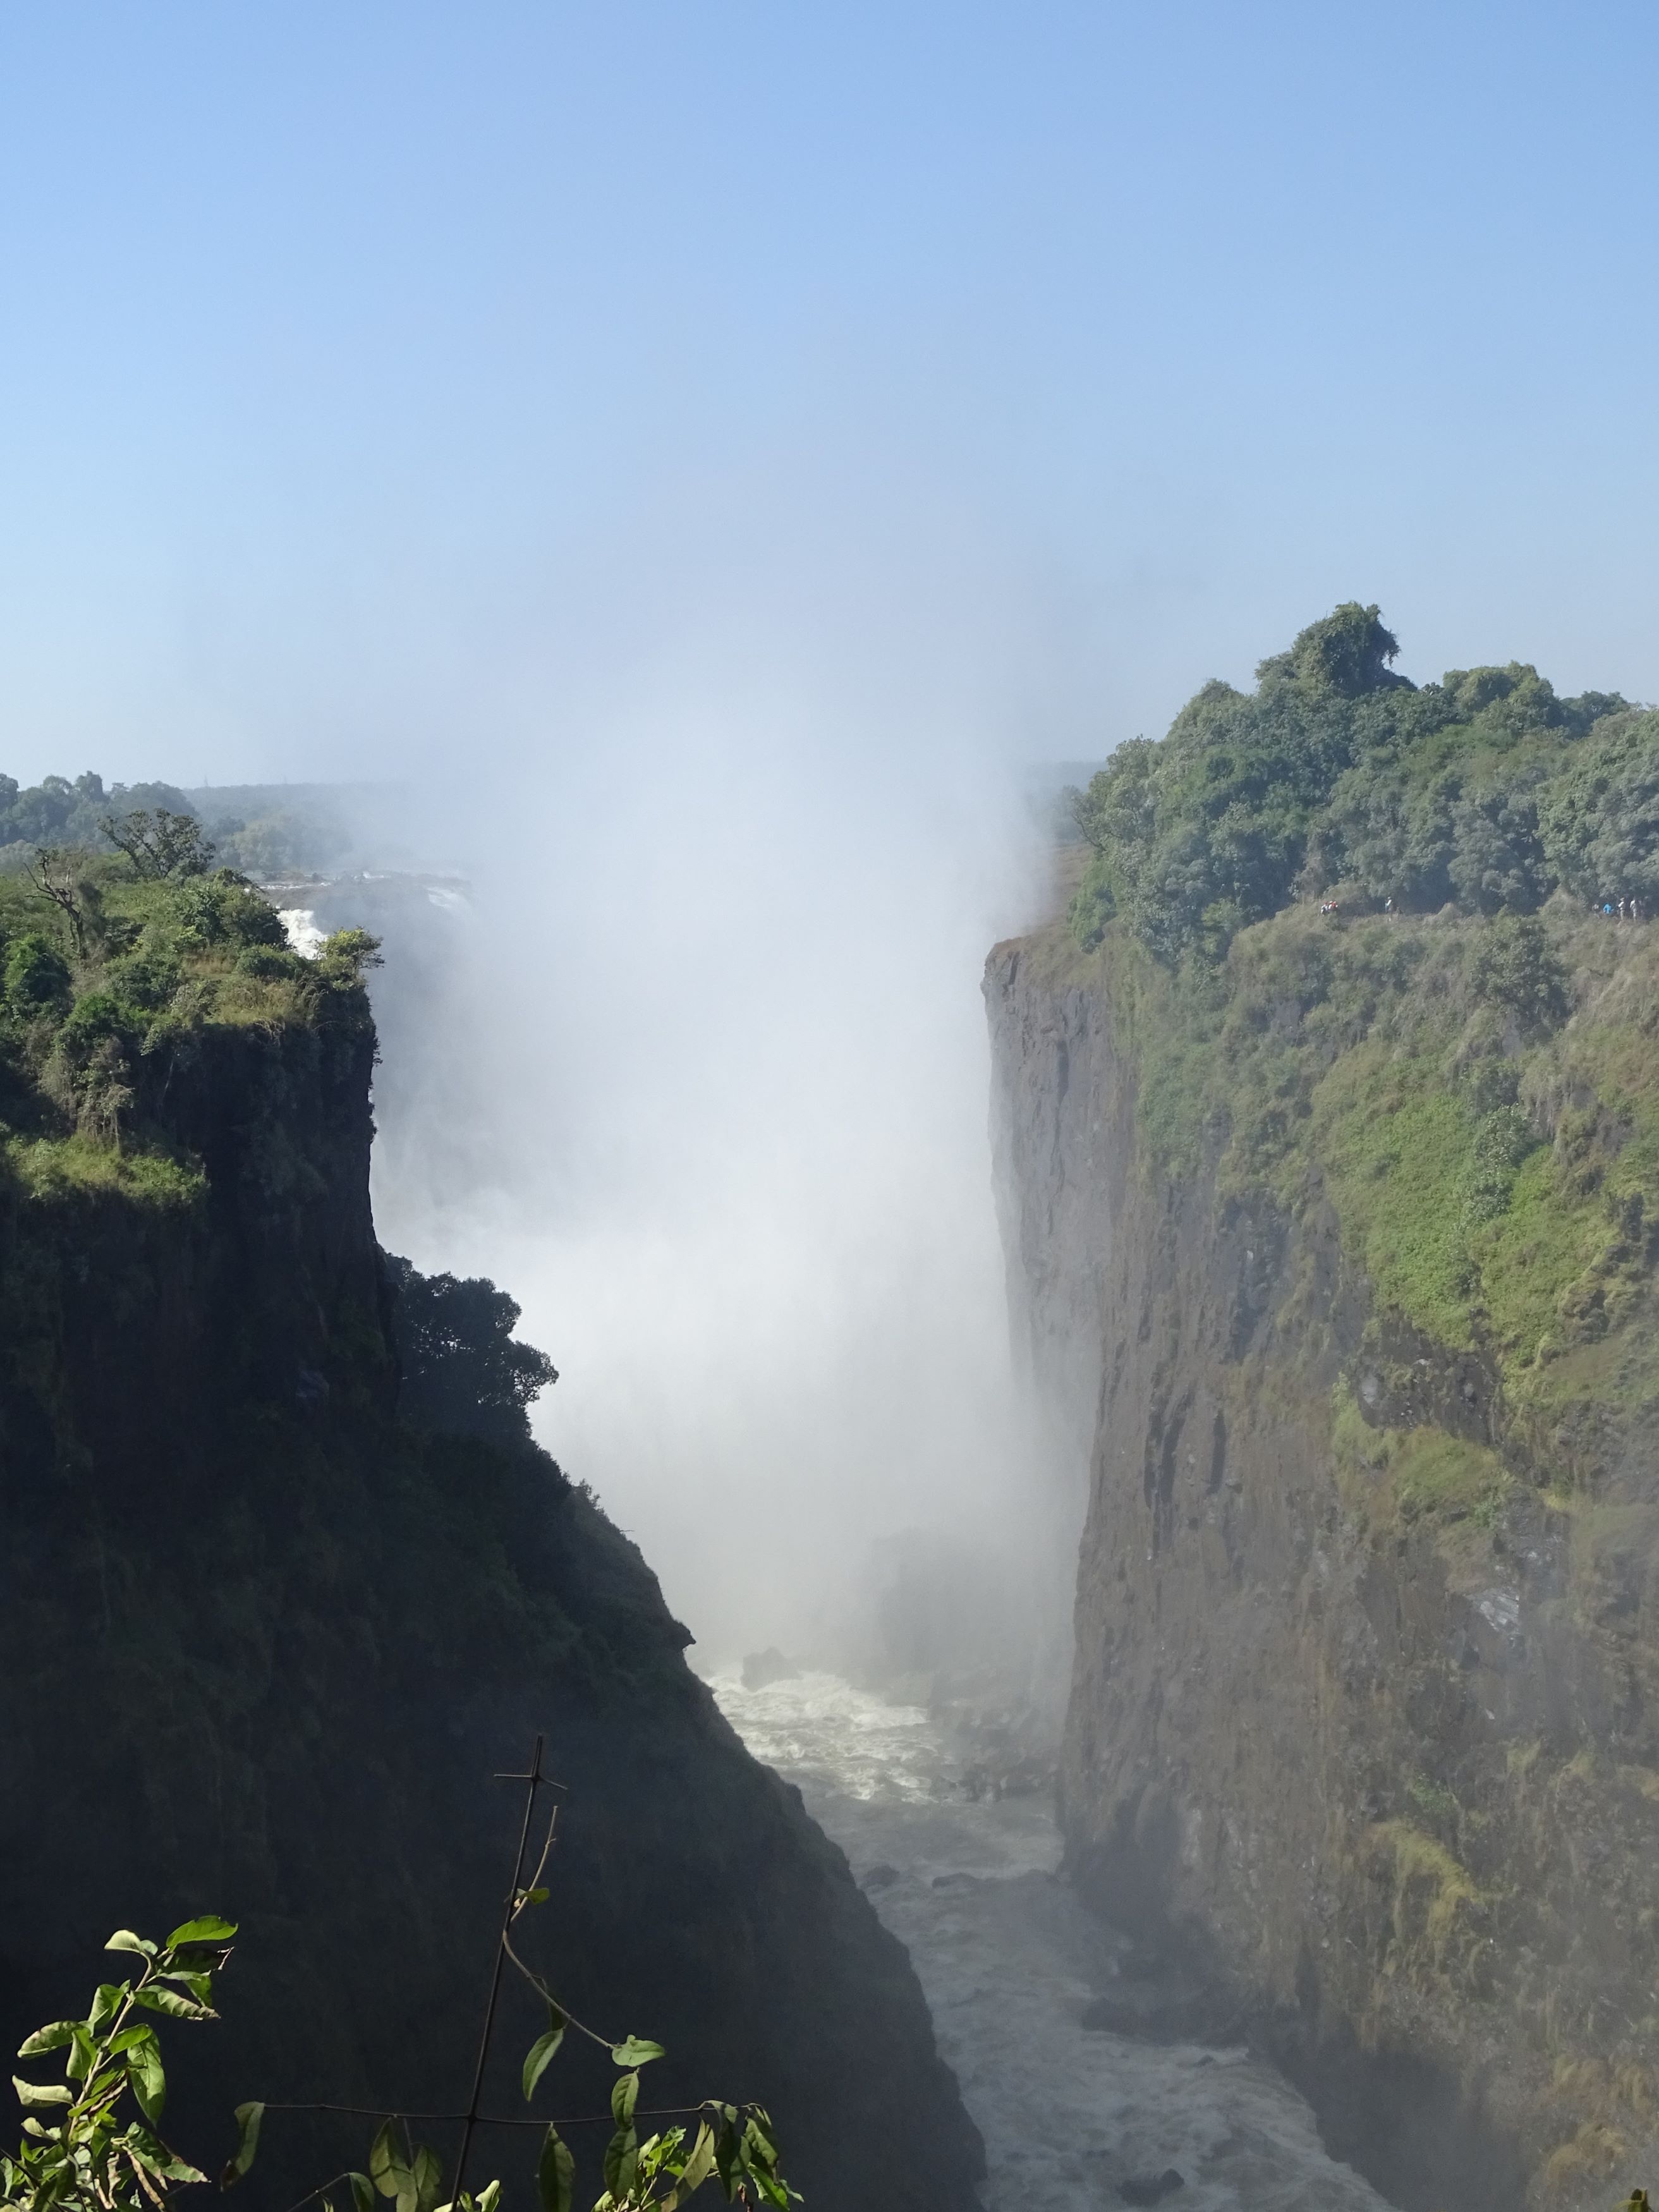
x,y
534,1778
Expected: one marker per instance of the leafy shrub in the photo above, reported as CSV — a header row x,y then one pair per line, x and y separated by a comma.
x,y
345,955
95,1019
36,976
1093,904
222,911
269,965
1513,965
1502,1140
145,979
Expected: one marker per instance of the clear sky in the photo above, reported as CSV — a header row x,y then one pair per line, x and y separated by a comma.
x,y
342,345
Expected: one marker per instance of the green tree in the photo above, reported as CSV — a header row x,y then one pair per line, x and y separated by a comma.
x,y
161,843
463,1371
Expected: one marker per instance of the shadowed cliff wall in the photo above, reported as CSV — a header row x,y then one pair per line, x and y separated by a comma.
x,y
263,1646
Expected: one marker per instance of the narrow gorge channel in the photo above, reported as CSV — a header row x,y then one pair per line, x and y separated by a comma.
x,y
1011,1961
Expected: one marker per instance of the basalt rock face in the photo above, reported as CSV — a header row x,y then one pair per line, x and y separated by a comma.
x,y
264,1647
1386,1783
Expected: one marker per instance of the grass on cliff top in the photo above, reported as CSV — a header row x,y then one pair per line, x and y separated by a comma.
x,y
59,1168
1477,1099
106,978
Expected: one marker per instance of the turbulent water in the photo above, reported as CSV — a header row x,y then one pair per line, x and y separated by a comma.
x,y
1009,1960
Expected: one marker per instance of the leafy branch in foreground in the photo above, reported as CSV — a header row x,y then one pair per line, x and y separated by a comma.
x,y
79,2151
732,2144
80,2154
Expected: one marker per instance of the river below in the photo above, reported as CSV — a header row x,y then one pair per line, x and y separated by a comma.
x,y
1072,2117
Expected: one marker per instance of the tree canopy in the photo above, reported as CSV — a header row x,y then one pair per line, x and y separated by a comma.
x,y
1337,775
463,1372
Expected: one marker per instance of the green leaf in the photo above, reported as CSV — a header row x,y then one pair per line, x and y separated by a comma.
x,y
700,2163
124,1940
35,2096
388,2170
199,1984
556,2174
157,2159
157,1999
248,2117
542,2050
488,2196
758,2138
52,2037
533,1897
149,2079
111,1997
362,2193
624,2095
621,2162
726,2139
128,2040
383,2152
208,1930
636,2051
428,2172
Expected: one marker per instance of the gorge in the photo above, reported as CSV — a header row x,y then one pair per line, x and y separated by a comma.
x,y
1325,1144
1327,1205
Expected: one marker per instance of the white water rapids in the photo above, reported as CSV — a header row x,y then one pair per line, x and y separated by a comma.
x,y
1008,1959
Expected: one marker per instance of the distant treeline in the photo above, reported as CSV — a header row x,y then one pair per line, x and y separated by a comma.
x,y
1337,776
262,831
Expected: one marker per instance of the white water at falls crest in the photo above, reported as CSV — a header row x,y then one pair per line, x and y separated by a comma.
x,y
1009,1959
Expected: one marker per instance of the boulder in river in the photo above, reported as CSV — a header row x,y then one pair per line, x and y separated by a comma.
x,y
761,1668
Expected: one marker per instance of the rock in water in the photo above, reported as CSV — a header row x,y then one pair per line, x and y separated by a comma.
x,y
761,1668
1151,2188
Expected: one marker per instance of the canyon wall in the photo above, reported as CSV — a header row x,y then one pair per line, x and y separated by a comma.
x,y
265,1645
1361,1731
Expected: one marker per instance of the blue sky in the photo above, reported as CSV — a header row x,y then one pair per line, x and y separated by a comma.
x,y
360,363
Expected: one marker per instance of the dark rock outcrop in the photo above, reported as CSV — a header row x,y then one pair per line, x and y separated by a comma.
x,y
264,1647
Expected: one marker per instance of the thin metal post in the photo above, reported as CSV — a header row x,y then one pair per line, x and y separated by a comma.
x,y
534,1778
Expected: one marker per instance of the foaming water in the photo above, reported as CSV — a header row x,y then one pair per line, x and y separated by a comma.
x,y
1008,1959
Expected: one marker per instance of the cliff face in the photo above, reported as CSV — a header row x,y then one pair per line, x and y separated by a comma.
x,y
264,1646
1361,1723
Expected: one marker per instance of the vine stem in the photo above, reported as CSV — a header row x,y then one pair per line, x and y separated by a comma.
x,y
491,2119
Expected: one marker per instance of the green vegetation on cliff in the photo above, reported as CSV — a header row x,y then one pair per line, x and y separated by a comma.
x,y
1470,1078
118,970
1336,775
